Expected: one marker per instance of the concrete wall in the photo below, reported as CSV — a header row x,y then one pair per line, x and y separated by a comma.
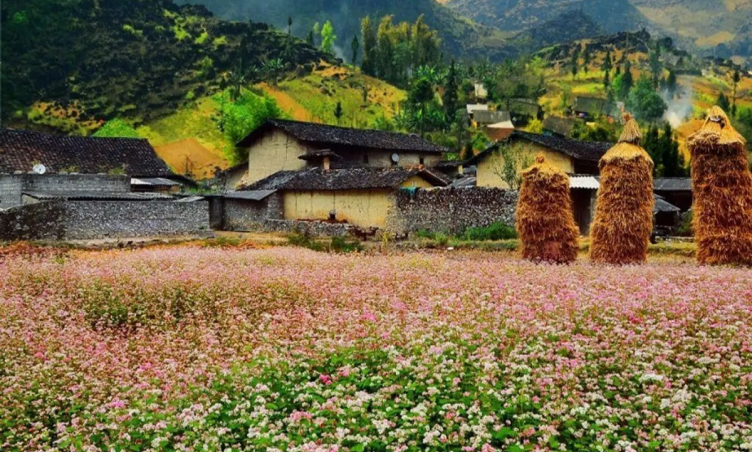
x,y
275,151
490,166
451,210
74,220
13,185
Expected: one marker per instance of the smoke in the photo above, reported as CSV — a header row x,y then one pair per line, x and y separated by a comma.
x,y
679,107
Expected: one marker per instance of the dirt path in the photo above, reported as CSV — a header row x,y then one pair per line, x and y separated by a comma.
x,y
287,103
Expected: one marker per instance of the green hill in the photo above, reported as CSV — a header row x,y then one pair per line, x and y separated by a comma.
x,y
70,64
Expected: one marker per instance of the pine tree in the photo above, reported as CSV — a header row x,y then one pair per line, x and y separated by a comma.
x,y
338,112
723,102
355,47
575,62
655,65
289,25
369,46
673,162
737,78
451,96
671,83
627,81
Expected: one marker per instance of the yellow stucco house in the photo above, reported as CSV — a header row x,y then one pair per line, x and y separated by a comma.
x,y
282,145
570,156
358,196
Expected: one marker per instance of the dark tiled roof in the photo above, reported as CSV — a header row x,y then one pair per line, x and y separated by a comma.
x,y
490,117
313,155
559,125
338,137
591,105
250,195
579,150
663,206
673,184
343,179
524,106
97,196
154,182
21,149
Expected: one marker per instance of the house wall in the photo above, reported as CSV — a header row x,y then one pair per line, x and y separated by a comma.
x,y
489,166
363,208
13,185
246,215
275,151
383,159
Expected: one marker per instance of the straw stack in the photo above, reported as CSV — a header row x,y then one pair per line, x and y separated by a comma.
x,y
722,187
623,222
545,221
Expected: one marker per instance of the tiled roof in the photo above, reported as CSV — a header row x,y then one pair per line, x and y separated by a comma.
x,y
559,125
343,179
580,150
250,195
591,105
673,184
97,196
490,117
338,137
663,206
20,150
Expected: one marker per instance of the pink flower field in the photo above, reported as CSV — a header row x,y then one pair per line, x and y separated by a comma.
x,y
286,349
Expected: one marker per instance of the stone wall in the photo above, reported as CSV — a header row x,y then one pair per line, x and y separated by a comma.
x,y
451,210
246,215
13,185
76,220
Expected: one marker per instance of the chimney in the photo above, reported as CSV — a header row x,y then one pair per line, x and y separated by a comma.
x,y
327,163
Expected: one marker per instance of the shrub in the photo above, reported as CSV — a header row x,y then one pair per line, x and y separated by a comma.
x,y
496,231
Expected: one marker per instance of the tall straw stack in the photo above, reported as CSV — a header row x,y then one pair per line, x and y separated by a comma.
x,y
722,187
623,222
545,220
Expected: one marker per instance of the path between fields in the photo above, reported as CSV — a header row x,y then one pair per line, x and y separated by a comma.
x,y
287,103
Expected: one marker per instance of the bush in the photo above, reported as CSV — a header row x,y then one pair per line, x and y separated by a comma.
x,y
497,231
342,245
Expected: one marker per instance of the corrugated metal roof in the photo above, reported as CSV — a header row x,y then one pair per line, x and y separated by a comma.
x,y
251,195
191,199
97,196
476,107
584,182
154,182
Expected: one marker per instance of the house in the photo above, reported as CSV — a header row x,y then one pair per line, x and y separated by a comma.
x,y
360,197
570,156
483,118
22,150
589,107
675,190
522,110
282,145
560,126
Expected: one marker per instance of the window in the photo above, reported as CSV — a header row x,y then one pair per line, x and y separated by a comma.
x,y
422,161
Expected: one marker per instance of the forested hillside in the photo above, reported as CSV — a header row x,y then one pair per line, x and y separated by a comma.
x,y
68,64
460,37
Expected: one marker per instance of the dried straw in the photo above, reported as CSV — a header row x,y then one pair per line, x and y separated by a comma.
x,y
623,222
722,187
545,220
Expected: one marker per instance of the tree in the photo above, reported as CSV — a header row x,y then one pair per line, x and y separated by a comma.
x,y
243,116
451,94
510,161
626,82
586,58
355,47
369,46
575,62
289,25
116,128
655,64
327,37
338,112
723,102
673,161
736,79
608,63
310,39
418,98
645,103
671,84
272,70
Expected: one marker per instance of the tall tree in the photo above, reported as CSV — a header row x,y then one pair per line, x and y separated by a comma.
x,y
355,48
575,62
644,102
327,37
671,84
451,93
723,102
737,77
338,112
289,25
655,65
369,46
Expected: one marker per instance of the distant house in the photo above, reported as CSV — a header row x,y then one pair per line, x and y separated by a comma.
x,y
281,145
523,110
21,150
471,108
571,156
560,126
675,190
588,107
357,196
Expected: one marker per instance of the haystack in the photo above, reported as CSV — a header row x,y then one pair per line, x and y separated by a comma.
x,y
722,187
623,222
545,221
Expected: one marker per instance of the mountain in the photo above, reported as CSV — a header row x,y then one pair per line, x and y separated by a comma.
x,y
68,64
460,37
521,15
570,26
714,27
